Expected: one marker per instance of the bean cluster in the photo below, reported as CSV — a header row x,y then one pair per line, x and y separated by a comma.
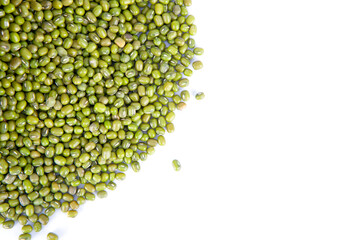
x,y
88,88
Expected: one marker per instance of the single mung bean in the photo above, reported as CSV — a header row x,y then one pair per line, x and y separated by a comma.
x,y
176,165
200,96
25,236
72,213
197,65
52,236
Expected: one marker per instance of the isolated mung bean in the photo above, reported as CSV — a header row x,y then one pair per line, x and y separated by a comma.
x,y
176,165
200,96
52,236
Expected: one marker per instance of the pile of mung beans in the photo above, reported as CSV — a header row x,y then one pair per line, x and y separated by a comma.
x,y
88,88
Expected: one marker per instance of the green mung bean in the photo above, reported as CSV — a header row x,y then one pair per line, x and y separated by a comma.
x,y
52,236
197,65
200,96
176,165
25,236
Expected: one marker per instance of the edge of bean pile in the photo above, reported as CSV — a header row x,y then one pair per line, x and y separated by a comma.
x,y
88,89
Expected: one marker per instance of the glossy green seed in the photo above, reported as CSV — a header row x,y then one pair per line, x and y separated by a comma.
x,y
57,131
149,109
200,96
170,127
29,210
176,165
102,194
135,166
4,207
25,53
52,236
50,211
170,117
193,30
3,195
44,219
60,160
120,176
197,65
144,80
8,224
198,51
32,120
72,213
99,108
27,229
22,220
37,227
185,95
89,187
15,170
25,236
74,205
67,109
90,196
161,140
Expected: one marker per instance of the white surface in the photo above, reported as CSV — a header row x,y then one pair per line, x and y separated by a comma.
x,y
273,151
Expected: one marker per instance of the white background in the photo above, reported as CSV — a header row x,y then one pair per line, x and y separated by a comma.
x,y
273,151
